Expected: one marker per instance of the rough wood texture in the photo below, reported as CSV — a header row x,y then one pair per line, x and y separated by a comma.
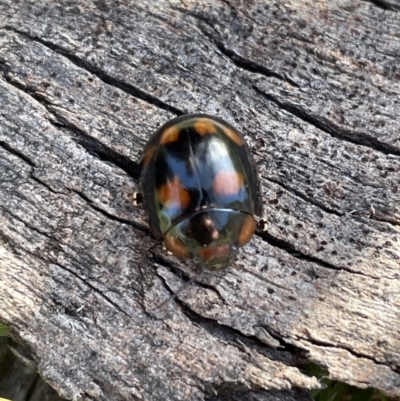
x,y
315,88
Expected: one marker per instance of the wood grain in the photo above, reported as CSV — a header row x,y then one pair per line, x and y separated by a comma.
x,y
314,87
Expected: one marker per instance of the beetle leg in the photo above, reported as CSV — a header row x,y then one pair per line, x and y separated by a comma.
x,y
164,249
262,225
137,198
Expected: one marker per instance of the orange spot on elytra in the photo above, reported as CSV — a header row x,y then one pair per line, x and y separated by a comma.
x,y
204,126
175,245
148,155
232,134
174,194
170,135
247,230
227,183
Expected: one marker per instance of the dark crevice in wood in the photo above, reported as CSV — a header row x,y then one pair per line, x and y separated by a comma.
x,y
32,176
236,59
47,261
329,128
126,87
17,153
248,65
383,5
63,267
8,242
106,154
157,258
385,220
304,197
326,344
293,349
385,53
86,282
109,215
261,277
91,145
98,149
288,248
234,336
194,279
223,332
4,66
283,344
31,391
30,226
85,396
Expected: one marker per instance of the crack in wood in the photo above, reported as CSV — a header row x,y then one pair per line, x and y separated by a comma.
x,y
83,64
288,248
109,215
105,153
30,226
384,5
32,176
235,58
90,144
305,198
31,390
326,344
17,153
234,336
329,128
194,280
89,285
51,238
285,344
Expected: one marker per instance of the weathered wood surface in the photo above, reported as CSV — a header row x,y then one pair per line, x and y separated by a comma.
x,y
314,86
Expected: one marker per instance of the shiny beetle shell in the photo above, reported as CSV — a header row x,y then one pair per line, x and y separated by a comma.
x,y
200,189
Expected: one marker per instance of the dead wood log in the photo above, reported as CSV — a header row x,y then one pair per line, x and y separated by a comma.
x,y
314,86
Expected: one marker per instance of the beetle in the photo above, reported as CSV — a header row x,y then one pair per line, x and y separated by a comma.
x,y
200,189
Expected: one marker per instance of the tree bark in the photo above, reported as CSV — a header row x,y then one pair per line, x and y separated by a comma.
x,y
314,87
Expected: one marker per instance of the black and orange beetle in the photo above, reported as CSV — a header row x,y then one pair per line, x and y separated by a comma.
x,y
200,189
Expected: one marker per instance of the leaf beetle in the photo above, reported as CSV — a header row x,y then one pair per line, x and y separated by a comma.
x,y
200,189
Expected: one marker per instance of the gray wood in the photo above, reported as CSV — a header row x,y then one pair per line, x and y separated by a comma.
x,y
314,86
